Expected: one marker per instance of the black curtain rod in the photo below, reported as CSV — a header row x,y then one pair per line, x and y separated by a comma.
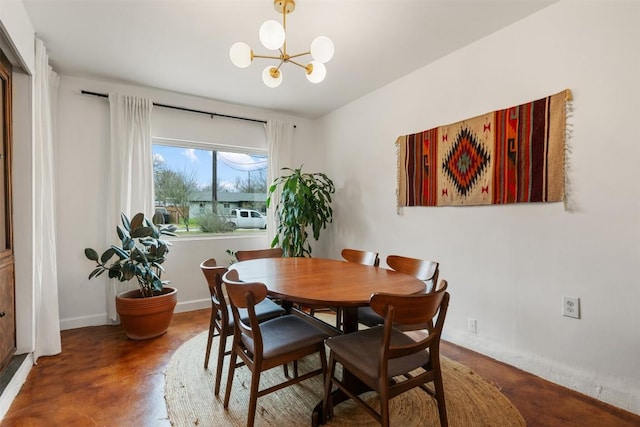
x,y
104,95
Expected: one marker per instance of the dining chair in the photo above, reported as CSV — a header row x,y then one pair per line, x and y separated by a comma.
x,y
395,357
424,270
259,253
249,254
222,322
262,346
361,257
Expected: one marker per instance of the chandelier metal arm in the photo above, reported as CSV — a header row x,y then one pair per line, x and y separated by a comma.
x,y
283,51
300,54
298,64
267,57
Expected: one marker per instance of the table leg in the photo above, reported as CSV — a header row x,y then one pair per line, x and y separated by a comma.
x,y
350,319
287,305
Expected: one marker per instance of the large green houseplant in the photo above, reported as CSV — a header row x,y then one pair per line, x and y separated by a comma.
x,y
304,202
140,255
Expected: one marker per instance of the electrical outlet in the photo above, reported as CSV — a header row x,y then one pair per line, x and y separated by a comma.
x,y
472,326
571,307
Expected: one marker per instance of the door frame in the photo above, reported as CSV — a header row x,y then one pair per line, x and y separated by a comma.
x,y
7,259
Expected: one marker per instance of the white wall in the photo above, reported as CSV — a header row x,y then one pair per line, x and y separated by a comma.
x,y
18,34
509,266
82,153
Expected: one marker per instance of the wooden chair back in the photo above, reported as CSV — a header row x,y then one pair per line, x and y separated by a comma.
x,y
361,257
213,274
419,315
219,324
259,253
245,295
424,270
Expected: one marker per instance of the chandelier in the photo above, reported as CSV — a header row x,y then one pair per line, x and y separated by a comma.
x,y
273,37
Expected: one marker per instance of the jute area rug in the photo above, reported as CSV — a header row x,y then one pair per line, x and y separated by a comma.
x,y
470,400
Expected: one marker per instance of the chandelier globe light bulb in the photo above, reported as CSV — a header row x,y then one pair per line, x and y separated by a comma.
x,y
322,49
241,55
317,72
272,77
272,34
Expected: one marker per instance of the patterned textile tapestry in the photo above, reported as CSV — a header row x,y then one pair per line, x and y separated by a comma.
x,y
515,155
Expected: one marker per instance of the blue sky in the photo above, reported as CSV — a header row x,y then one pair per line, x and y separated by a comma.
x,y
230,165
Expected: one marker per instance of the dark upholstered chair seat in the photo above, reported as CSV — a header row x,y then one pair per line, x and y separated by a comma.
x,y
368,317
265,309
363,350
286,334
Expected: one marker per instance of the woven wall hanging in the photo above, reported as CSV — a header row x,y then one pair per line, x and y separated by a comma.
x,y
515,155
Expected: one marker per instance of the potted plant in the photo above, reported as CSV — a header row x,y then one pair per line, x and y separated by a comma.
x,y
145,312
305,201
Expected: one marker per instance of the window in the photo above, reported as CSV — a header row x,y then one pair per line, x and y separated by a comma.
x,y
199,187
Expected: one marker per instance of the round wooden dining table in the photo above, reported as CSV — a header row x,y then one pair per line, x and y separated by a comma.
x,y
326,282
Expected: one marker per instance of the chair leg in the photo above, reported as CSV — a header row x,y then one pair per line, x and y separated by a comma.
x,y
338,318
209,342
222,345
384,406
442,408
232,368
327,404
323,359
253,396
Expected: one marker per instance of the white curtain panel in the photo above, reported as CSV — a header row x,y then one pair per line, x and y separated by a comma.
x,y
47,319
131,172
279,139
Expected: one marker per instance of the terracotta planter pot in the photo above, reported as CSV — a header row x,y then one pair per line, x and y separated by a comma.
x,y
145,318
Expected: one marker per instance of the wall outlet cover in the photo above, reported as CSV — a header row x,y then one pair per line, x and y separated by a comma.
x,y
472,326
571,307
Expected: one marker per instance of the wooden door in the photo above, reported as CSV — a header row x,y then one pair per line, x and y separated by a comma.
x,y
7,281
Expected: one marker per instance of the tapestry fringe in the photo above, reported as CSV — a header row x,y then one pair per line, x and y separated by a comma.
x,y
568,132
398,173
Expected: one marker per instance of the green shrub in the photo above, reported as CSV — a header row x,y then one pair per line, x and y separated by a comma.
x,y
214,223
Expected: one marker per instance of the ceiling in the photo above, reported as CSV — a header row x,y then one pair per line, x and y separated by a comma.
x,y
183,45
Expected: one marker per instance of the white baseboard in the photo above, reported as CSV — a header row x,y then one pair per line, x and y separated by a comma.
x,y
198,304
616,394
81,322
13,388
101,319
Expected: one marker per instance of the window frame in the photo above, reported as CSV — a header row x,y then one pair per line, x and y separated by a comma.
x,y
214,146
